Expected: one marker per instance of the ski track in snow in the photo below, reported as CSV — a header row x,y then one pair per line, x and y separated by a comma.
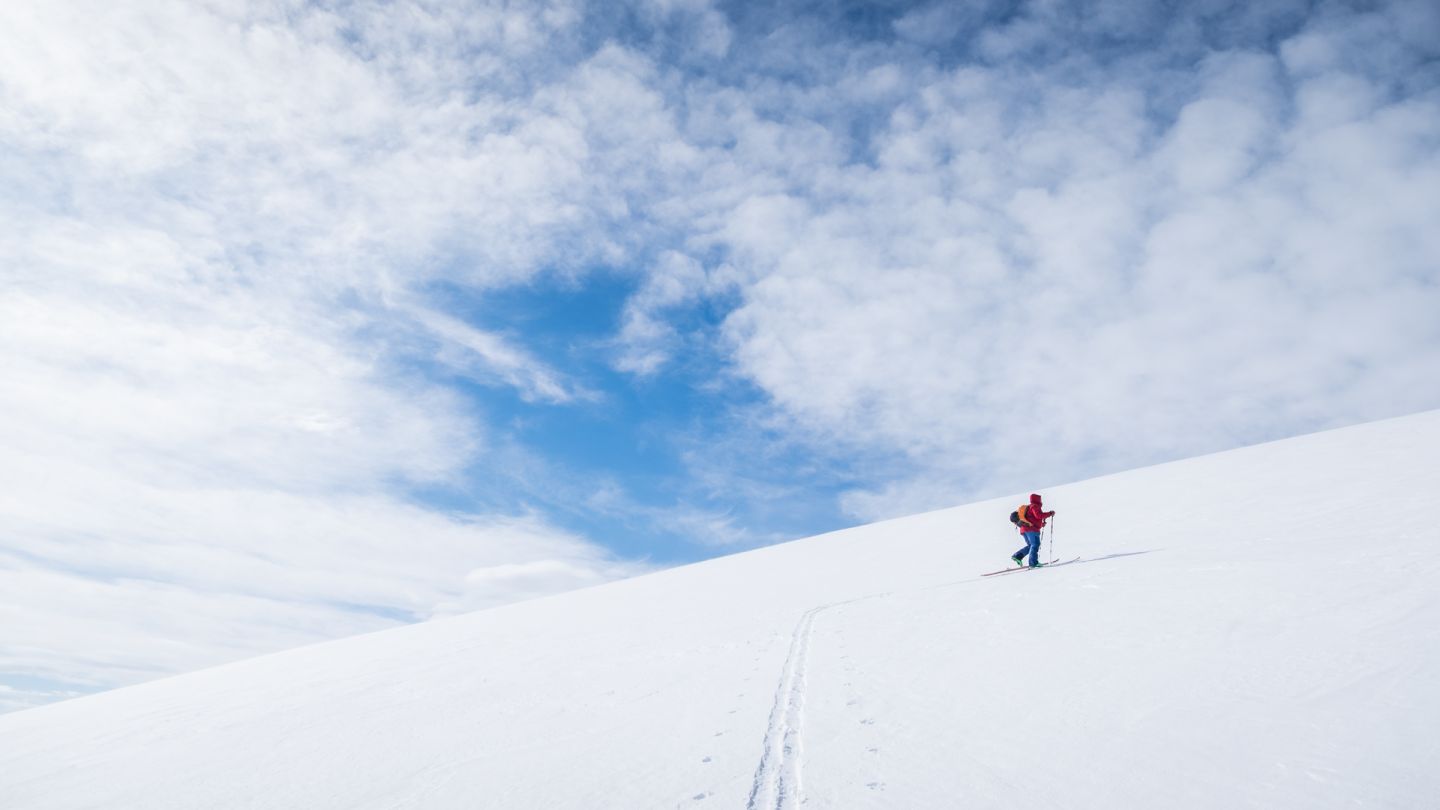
x,y
777,784
777,781
777,777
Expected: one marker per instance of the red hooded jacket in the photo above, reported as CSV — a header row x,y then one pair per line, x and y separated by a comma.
x,y
1033,514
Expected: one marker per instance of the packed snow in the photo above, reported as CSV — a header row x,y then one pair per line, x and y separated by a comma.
x,y
1258,628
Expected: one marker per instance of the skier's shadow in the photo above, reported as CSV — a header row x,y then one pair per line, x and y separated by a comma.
x,y
1117,556
1080,561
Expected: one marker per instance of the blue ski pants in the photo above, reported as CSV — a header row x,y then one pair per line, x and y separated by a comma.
x,y
1032,545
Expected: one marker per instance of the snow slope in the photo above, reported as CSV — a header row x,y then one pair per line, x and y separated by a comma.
x,y
1258,628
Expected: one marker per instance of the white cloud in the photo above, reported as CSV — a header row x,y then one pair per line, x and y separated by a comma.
x,y
484,355
216,476
214,325
647,340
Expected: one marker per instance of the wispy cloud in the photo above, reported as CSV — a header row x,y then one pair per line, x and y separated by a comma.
x,y
647,338
485,355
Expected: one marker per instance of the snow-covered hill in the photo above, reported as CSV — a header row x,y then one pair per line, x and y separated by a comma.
x,y
1258,628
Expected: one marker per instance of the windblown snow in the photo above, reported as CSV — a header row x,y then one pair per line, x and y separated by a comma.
x,y
1258,628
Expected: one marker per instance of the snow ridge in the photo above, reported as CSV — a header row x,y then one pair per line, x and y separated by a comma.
x,y
777,778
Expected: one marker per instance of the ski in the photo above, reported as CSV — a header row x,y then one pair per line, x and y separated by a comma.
x,y
1050,564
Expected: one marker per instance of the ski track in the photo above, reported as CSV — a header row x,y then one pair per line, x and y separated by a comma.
x,y
777,777
777,781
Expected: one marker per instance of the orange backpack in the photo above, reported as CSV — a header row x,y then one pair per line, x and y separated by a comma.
x,y
1017,518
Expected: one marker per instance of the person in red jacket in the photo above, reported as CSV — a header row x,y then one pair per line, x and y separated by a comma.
x,y
1031,523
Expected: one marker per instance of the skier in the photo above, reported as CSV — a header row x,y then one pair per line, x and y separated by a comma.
x,y
1031,522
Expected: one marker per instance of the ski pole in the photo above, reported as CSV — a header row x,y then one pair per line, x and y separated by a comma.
x,y
1053,555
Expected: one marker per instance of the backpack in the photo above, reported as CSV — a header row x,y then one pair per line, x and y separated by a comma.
x,y
1015,516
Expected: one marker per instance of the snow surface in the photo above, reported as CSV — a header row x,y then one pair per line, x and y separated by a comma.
x,y
1253,629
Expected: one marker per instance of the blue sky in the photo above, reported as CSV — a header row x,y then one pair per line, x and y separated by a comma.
x,y
631,435
318,318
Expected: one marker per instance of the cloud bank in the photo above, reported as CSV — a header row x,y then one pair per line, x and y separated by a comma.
x,y
1050,262
220,223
